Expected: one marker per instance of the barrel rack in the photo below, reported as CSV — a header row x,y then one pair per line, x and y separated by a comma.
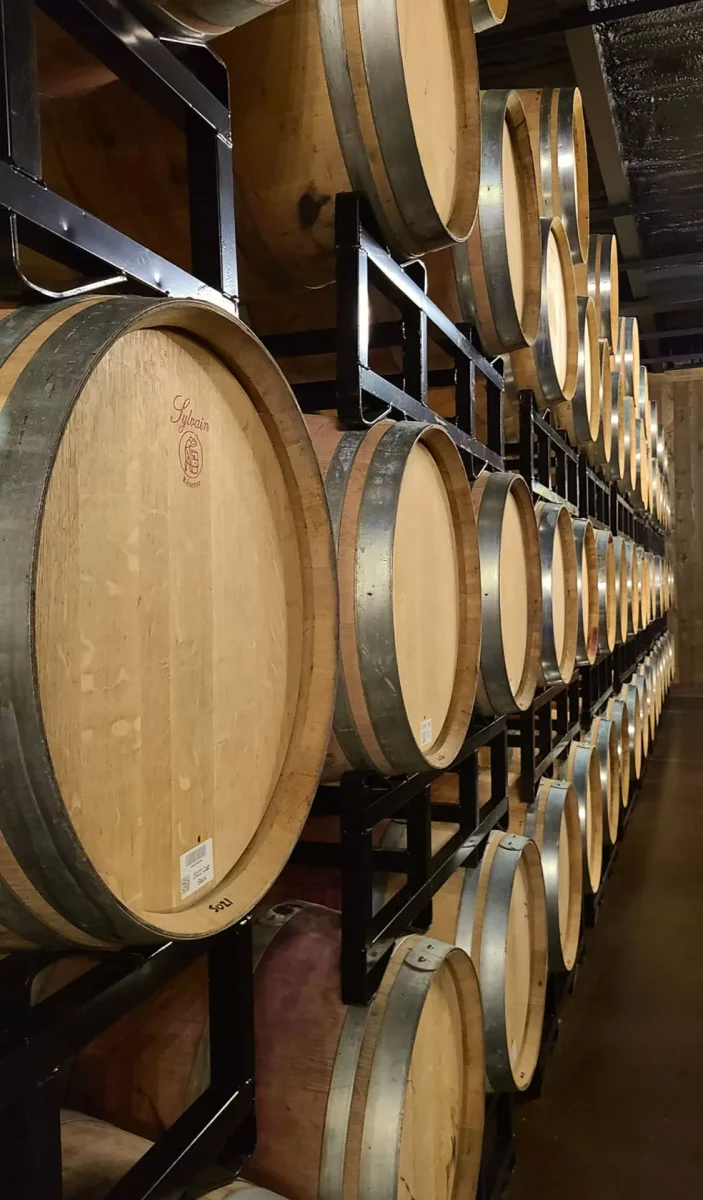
x,y
188,84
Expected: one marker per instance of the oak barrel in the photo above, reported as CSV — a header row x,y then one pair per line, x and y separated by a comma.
x,y
627,356
497,913
560,608
168,623
604,445
587,590
493,279
633,588
630,695
603,737
381,99
349,1101
95,1156
511,620
642,686
409,592
604,284
553,823
486,14
581,415
607,604
558,133
549,368
644,405
645,596
623,584
616,710
581,767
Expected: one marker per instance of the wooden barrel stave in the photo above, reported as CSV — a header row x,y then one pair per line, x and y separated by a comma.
x,y
604,284
623,585
89,343
603,446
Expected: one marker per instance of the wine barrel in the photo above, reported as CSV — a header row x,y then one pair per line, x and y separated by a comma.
x,y
360,1097
633,588
644,407
410,609
600,450
511,610
549,368
603,737
587,592
630,696
604,284
607,603
615,469
581,768
627,357
623,584
639,489
580,416
649,701
558,134
497,913
627,482
157,478
643,576
617,712
96,1156
382,100
493,279
553,823
486,14
560,611
659,609
640,683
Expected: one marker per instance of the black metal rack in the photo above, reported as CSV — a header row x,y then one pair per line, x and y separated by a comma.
x,y
361,395
188,84
544,731
36,1041
543,456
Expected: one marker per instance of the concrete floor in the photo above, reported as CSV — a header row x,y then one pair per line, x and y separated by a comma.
x,y
621,1113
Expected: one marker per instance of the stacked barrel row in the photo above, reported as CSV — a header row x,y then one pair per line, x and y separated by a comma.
x,y
459,1010
199,585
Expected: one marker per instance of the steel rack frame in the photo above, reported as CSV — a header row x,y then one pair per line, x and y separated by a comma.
x,y
37,1040
544,731
188,84
360,394
594,495
543,456
369,928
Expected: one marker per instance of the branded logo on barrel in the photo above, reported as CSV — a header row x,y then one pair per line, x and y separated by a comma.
x,y
191,427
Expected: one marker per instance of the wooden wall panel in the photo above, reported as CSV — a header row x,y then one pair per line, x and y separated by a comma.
x,y
680,397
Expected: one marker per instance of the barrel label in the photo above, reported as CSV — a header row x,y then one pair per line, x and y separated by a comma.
x,y
190,428
426,731
197,868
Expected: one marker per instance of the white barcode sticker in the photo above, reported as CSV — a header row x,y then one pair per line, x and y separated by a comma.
x,y
426,731
197,868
